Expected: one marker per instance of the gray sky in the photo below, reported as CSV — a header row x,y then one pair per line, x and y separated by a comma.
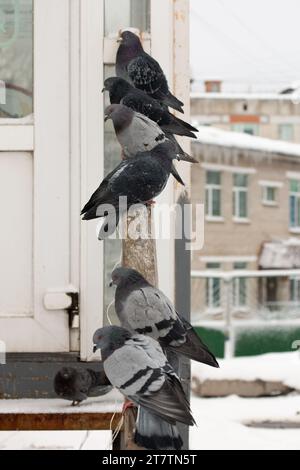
x,y
254,43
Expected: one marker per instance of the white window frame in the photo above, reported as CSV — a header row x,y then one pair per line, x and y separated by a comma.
x,y
276,185
296,228
236,286
237,190
209,190
211,308
296,281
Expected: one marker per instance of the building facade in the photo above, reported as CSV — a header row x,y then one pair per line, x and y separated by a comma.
x,y
250,187
274,116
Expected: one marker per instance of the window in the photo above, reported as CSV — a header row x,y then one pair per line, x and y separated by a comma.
x,y
295,289
295,204
213,288
240,196
269,195
239,292
246,128
16,65
213,194
119,14
286,132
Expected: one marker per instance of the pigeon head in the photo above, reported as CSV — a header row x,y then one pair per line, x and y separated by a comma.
x,y
110,338
120,115
131,41
117,88
64,382
123,277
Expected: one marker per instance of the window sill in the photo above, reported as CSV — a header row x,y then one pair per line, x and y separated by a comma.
x,y
214,311
294,229
237,220
211,218
270,203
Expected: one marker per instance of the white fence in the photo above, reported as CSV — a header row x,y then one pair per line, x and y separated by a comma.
x,y
228,299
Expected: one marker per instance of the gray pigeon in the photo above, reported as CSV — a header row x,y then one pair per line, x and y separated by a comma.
x,y
137,133
144,309
139,68
77,384
137,367
140,179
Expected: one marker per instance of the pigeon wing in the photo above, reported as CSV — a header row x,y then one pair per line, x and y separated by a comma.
x,y
147,311
146,74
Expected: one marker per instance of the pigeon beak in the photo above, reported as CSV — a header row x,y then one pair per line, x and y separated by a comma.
x,y
103,90
95,348
178,157
119,40
111,283
106,118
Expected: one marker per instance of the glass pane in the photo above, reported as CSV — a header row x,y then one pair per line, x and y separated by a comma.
x,y
286,132
216,202
112,248
242,204
292,211
16,58
295,186
213,177
270,194
207,192
240,180
120,14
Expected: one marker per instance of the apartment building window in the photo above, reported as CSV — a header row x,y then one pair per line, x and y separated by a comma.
x,y
286,132
240,196
295,204
213,288
239,288
246,128
295,289
269,195
213,194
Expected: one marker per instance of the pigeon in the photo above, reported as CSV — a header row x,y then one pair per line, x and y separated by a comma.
x,y
142,71
144,309
137,133
137,367
122,92
77,384
139,179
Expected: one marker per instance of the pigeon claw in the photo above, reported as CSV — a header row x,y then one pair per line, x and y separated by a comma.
x,y
75,403
150,203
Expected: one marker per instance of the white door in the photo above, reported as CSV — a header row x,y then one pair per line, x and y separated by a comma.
x,y
35,191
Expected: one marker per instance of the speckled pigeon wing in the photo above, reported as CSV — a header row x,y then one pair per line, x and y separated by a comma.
x,y
146,74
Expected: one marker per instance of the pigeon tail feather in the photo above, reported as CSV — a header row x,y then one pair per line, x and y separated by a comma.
x,y
153,433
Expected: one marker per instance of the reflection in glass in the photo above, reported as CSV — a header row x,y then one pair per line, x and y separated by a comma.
x,y
112,248
120,14
16,58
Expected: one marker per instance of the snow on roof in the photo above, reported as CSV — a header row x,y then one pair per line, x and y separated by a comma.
x,y
213,136
280,254
246,96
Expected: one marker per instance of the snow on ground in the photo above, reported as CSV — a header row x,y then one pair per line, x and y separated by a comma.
x,y
219,426
106,403
284,367
220,423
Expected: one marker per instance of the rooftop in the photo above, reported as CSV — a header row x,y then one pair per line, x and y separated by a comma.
x,y
218,137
